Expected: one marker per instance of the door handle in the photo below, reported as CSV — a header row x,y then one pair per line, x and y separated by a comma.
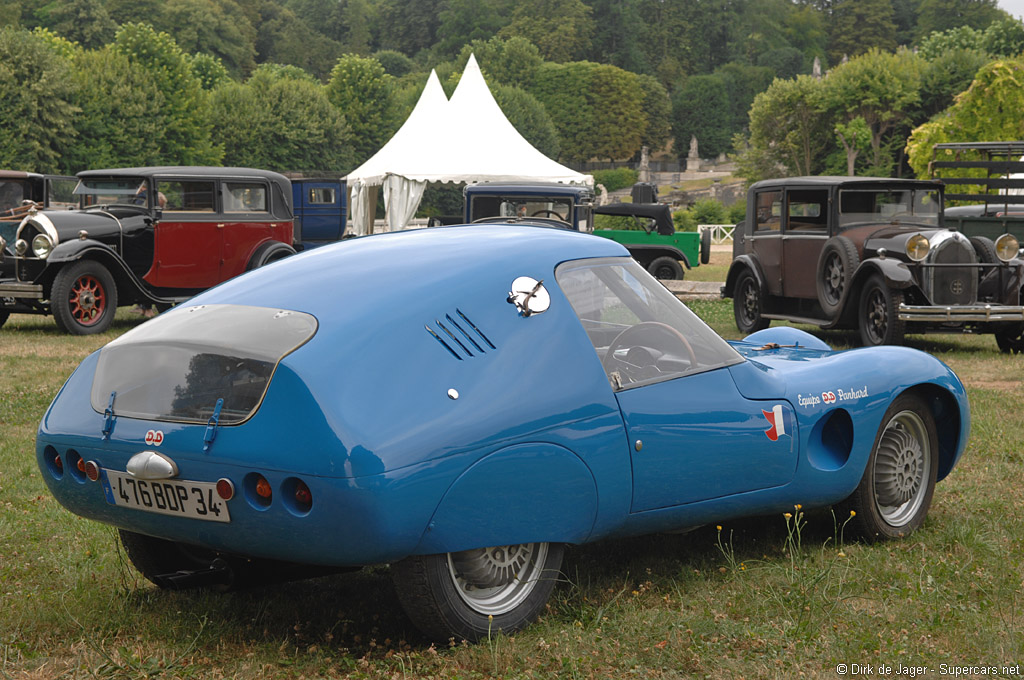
x,y
220,225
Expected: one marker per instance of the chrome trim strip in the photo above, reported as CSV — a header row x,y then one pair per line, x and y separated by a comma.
x,y
961,313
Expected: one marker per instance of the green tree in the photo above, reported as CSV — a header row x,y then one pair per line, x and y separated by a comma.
x,y
409,26
510,61
464,21
618,35
859,26
657,108
701,109
529,117
946,76
361,89
284,38
36,102
1004,38
941,15
855,137
120,123
277,121
789,133
988,110
83,21
395,63
938,43
882,88
561,29
186,108
216,27
742,83
209,70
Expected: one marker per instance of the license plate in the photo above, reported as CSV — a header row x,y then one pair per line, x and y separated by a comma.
x,y
198,500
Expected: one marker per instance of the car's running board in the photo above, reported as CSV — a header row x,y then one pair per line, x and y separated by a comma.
x,y
823,323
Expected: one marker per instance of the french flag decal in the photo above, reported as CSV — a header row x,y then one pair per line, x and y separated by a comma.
x,y
778,424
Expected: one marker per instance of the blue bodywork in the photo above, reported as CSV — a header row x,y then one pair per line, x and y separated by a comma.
x,y
321,210
516,436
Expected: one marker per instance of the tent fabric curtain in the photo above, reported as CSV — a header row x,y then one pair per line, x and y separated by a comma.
x,y
362,204
401,198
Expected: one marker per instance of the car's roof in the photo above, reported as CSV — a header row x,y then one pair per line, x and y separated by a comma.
x,y
842,180
17,174
544,187
187,170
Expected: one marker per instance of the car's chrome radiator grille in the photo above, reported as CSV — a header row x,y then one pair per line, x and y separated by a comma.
x,y
953,285
460,336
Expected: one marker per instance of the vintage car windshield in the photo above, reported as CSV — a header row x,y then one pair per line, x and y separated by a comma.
x,y
521,206
177,367
122,190
641,331
918,206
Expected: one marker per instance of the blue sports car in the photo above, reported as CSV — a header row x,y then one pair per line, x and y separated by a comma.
x,y
462,403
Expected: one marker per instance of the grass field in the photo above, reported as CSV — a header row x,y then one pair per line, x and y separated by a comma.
x,y
764,598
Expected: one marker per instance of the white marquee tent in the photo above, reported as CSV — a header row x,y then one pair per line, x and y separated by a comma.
x,y
466,139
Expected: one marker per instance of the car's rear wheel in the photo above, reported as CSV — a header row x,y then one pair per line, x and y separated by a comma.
x,y
666,268
836,266
474,593
3,318
83,298
156,558
878,314
747,304
898,483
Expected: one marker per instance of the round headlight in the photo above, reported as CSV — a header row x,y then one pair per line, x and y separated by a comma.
x,y
41,246
21,246
917,247
1007,247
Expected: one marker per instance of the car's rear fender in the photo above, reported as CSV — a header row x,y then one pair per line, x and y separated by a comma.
x,y
738,266
518,494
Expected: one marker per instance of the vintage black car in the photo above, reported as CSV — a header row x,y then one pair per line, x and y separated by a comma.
x,y
24,191
871,254
155,235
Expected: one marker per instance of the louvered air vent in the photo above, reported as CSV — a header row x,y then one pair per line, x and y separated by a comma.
x,y
460,336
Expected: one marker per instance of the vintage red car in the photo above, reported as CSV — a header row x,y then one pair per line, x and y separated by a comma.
x,y
155,235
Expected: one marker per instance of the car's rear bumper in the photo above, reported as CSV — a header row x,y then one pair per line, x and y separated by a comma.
x,y
973,313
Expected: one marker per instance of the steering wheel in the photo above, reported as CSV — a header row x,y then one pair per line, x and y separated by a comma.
x,y
549,213
650,333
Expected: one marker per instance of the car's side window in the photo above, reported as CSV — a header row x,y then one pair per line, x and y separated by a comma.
x,y
322,195
768,210
188,196
807,210
641,332
245,197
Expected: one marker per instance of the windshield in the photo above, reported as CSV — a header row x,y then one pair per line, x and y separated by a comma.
x,y
919,206
521,206
641,332
178,366
123,190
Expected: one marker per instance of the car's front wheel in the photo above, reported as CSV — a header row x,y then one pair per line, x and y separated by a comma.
x,y
474,593
1011,340
666,268
878,315
3,318
896,490
83,298
747,304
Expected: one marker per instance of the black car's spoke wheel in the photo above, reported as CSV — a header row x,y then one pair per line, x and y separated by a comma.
x,y
747,305
666,268
1011,340
473,593
878,318
896,490
836,266
83,298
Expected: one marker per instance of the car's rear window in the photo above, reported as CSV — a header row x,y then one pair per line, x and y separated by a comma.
x,y
179,366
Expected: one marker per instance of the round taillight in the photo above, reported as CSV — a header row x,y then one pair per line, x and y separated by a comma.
x,y
58,463
263,489
92,470
80,464
226,490
303,496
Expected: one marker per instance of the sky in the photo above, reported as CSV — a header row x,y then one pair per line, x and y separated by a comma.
x,y
1014,7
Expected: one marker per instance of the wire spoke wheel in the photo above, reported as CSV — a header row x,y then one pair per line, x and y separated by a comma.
x,y
496,580
902,468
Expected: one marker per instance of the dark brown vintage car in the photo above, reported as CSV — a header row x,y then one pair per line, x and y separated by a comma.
x,y
870,254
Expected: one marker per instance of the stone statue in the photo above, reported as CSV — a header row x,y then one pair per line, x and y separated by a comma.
x,y
644,171
693,147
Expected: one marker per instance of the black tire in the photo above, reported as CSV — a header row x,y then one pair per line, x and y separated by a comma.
x,y
271,252
747,305
985,249
705,246
439,595
666,268
896,490
836,266
1011,340
878,314
156,557
3,318
83,298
